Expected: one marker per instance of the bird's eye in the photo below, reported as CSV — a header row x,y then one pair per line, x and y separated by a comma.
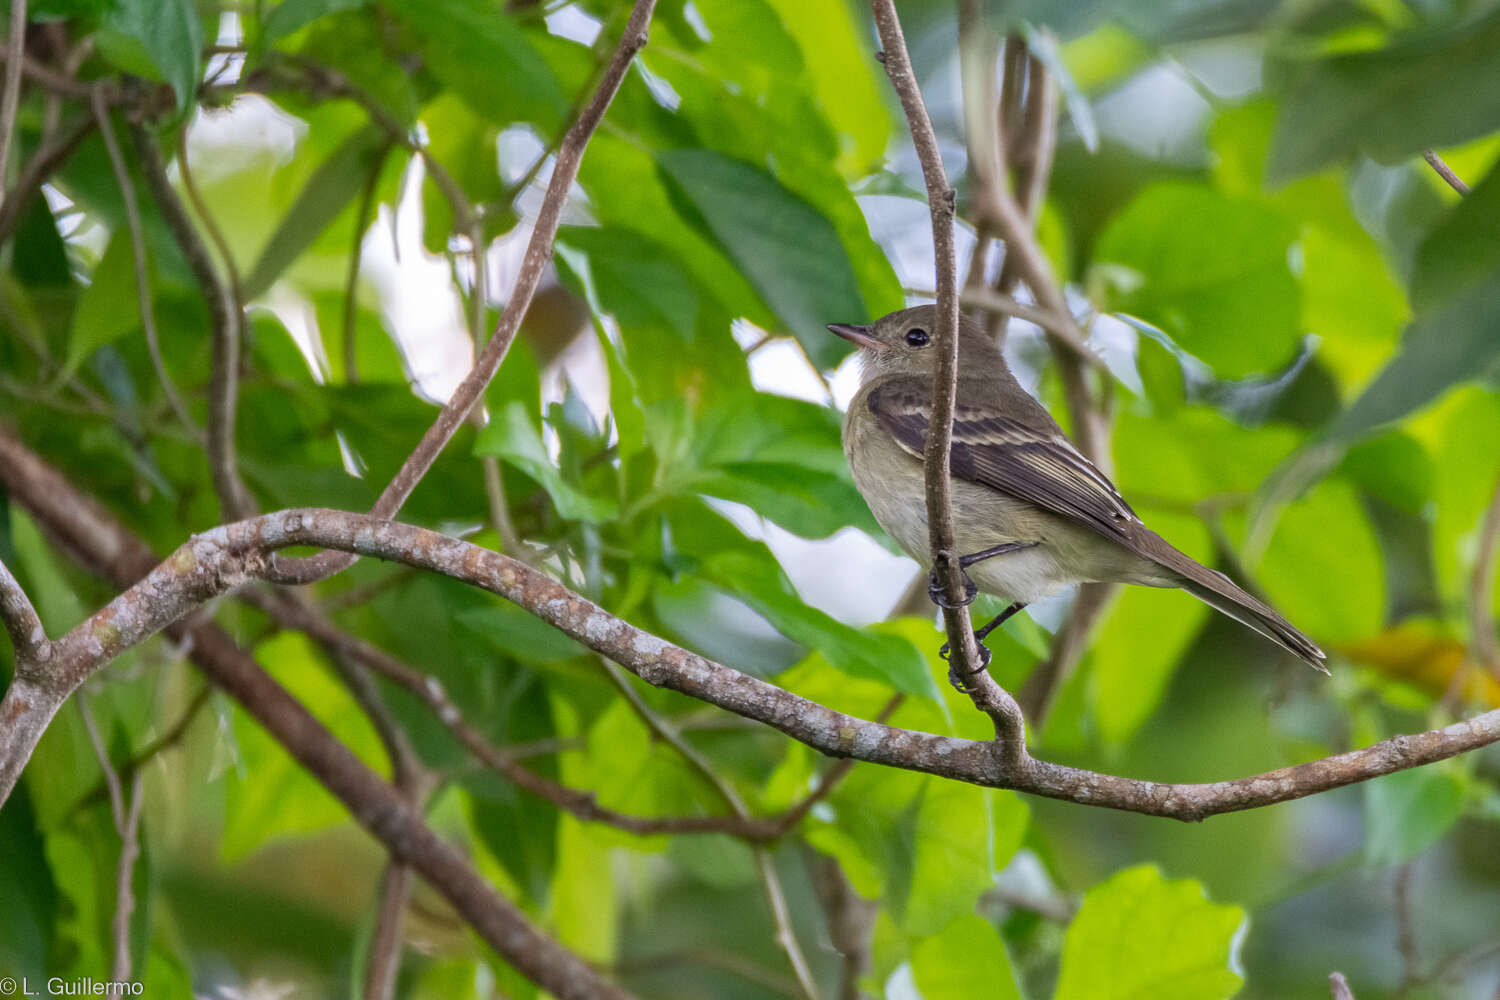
x,y
917,337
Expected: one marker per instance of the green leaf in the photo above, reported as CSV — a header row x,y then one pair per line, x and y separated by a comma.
x,y
845,80
1393,102
485,57
1407,812
26,884
109,307
1214,274
291,15
158,39
1138,935
1452,344
966,960
513,436
788,249
1322,537
1461,251
629,275
1135,654
333,186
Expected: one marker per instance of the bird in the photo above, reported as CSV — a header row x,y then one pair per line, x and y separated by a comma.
x,y
1031,514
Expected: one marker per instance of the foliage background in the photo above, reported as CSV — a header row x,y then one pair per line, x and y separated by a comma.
x,y
1300,320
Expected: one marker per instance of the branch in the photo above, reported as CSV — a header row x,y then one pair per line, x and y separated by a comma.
x,y
1445,172
1010,727
1340,987
105,547
127,825
37,170
225,324
138,255
22,623
220,559
10,100
538,254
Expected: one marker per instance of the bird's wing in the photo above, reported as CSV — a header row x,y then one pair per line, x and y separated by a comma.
x,y
1037,464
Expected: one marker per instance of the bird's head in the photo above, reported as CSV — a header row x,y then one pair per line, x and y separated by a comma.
x,y
902,344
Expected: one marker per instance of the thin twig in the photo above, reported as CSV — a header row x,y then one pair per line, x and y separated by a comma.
x,y
1406,928
1445,172
1340,987
127,825
989,697
36,171
786,936
10,101
1482,626
215,234
138,250
225,325
538,254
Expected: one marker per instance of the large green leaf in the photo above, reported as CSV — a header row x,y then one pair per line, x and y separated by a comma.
x,y
1406,812
1393,102
159,39
788,249
332,187
1138,935
486,58
631,276
1452,344
290,15
26,921
1462,250
966,960
1213,272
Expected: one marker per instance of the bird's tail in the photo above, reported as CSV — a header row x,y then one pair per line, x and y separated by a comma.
x,y
1224,595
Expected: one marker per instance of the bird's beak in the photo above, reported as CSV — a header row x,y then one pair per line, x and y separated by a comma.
x,y
859,336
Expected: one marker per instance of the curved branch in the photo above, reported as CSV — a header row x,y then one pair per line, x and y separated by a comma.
x,y
224,557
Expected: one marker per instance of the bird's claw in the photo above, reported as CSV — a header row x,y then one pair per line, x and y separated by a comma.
x,y
955,677
935,591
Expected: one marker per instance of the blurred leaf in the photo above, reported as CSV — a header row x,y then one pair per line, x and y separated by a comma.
x,y
1135,654
966,960
159,39
789,251
109,307
1393,466
1428,657
518,633
1406,812
1138,935
1393,102
1323,568
485,57
291,15
1461,251
848,87
585,907
26,883
1460,429
1454,344
332,187
629,275
513,436
1213,273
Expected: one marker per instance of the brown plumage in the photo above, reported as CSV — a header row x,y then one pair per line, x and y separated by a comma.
x,y
1016,478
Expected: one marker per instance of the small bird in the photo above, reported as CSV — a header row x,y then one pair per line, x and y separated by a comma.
x,y
1031,514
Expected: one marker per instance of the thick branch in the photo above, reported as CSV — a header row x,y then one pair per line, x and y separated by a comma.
x,y
105,547
533,264
219,558
10,99
21,622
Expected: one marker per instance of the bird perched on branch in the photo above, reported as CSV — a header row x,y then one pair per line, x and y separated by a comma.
x,y
1031,513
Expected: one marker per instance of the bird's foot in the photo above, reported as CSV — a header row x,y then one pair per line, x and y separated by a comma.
x,y
956,677
935,591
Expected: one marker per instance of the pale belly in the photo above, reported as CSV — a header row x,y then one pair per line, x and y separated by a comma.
x,y
982,518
